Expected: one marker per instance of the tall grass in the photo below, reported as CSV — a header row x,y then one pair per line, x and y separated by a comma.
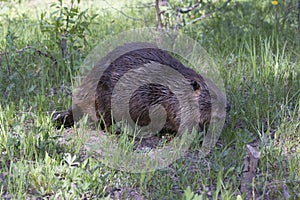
x,y
260,69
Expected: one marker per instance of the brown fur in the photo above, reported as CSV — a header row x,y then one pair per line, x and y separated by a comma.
x,y
145,58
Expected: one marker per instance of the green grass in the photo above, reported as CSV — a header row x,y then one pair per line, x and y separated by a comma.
x,y
261,73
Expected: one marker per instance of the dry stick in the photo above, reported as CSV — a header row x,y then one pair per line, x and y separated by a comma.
x,y
144,5
209,14
123,13
158,14
249,172
189,9
47,54
183,11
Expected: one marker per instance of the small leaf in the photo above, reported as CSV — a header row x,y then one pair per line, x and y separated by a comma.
x,y
31,88
188,193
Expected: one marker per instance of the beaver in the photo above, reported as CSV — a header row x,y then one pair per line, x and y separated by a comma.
x,y
96,93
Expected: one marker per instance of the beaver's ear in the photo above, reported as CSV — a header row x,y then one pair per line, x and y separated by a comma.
x,y
195,85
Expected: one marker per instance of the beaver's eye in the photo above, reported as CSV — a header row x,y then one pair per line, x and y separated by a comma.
x,y
195,85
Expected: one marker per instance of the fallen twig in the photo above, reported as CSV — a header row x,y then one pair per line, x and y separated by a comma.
x,y
40,52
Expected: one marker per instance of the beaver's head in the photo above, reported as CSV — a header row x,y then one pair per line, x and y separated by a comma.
x,y
212,102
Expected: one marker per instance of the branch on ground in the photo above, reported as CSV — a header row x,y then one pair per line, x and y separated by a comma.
x,y
249,172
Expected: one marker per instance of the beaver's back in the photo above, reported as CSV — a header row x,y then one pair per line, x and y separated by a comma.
x,y
94,95
148,60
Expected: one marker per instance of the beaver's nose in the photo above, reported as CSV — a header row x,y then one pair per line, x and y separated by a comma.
x,y
227,107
